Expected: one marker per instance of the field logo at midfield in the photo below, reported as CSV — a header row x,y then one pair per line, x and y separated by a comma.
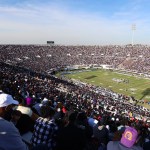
x,y
90,77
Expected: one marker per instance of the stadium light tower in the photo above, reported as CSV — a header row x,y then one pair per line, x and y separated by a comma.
x,y
133,30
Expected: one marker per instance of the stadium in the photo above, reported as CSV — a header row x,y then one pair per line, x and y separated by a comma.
x,y
77,91
130,61
53,72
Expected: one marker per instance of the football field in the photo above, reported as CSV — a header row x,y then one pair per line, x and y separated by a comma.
x,y
119,83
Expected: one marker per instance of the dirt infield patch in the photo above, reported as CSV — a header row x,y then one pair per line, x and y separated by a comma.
x,y
90,77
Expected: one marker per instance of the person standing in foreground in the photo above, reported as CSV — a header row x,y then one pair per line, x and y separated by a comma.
x,y
10,138
127,142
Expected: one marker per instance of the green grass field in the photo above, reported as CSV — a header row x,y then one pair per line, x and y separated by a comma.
x,y
137,87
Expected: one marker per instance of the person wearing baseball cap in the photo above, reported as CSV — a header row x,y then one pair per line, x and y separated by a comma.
x,y
6,99
10,138
6,103
127,142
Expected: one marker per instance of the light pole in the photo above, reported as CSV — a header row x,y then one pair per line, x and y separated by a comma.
x,y
133,30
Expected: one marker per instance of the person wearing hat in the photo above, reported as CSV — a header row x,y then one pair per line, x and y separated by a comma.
x,y
127,142
10,138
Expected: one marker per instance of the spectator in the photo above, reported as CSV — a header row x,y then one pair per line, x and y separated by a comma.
x,y
127,141
45,129
10,138
71,137
100,132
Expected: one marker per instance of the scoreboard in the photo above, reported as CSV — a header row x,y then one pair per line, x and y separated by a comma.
x,y
50,42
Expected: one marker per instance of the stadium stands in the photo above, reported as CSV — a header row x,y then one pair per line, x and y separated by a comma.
x,y
23,67
42,58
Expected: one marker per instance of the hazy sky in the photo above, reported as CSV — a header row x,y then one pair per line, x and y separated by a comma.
x,y
77,22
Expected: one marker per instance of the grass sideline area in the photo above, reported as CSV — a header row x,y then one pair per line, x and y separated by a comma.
x,y
129,85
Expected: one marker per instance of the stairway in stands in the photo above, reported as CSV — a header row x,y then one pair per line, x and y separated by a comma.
x,y
126,63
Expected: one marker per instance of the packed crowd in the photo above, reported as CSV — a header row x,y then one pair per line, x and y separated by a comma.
x,y
42,58
63,115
